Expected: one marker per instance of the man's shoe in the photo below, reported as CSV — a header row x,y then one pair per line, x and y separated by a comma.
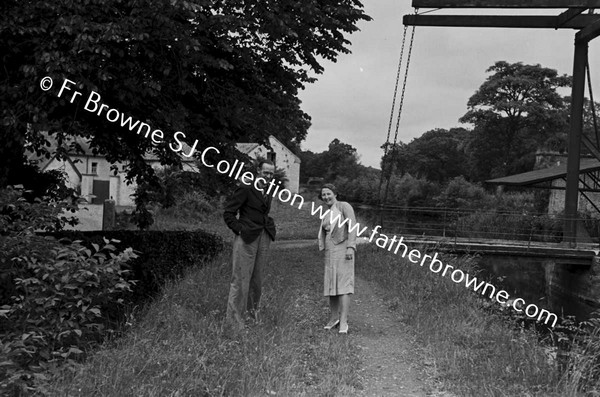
x,y
331,324
344,330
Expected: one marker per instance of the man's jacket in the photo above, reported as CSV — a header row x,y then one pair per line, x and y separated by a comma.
x,y
253,210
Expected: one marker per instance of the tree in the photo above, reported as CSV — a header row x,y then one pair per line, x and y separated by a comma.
x,y
218,71
339,160
437,155
394,160
516,110
311,165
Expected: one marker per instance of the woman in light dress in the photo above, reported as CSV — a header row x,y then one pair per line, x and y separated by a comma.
x,y
339,245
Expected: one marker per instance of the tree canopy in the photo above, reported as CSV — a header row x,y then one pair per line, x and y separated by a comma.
x,y
514,112
437,155
218,71
339,160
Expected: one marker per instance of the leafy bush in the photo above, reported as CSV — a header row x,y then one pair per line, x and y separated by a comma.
x,y
527,227
459,193
404,191
162,254
358,190
19,216
19,220
57,308
52,296
189,205
412,192
591,224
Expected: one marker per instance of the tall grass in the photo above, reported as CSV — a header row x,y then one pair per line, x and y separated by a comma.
x,y
475,350
582,375
177,347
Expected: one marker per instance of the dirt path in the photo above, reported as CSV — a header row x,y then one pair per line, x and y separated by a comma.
x,y
393,362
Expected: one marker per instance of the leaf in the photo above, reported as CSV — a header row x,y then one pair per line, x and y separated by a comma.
x,y
96,311
75,350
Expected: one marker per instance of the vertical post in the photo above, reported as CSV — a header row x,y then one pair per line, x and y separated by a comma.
x,y
572,191
108,215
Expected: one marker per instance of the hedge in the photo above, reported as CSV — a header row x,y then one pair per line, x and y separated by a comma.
x,y
162,254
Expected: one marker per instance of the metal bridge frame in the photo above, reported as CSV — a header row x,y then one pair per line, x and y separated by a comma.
x,y
588,26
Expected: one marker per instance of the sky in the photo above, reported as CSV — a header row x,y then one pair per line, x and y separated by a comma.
x,y
352,99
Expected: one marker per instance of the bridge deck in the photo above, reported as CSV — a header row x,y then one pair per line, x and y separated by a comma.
x,y
581,255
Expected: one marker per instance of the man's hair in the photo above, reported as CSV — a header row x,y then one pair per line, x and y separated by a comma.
x,y
261,162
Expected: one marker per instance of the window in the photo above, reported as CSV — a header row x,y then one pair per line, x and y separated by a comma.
x,y
271,156
94,168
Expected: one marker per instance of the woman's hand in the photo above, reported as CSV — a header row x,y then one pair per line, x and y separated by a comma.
x,y
349,253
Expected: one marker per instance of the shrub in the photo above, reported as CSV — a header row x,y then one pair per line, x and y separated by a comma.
x,y
526,227
52,296
162,254
358,190
19,216
57,308
191,205
19,220
459,193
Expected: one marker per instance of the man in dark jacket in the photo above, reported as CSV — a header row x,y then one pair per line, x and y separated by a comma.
x,y
247,215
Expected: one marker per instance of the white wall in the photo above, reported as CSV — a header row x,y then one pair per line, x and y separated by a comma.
x,y
289,162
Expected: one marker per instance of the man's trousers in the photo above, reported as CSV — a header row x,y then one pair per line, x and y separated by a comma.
x,y
248,261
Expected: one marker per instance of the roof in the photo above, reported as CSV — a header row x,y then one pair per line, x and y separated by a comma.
x,y
545,174
246,147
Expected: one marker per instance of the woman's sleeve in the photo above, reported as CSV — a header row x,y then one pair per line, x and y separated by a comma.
x,y
351,225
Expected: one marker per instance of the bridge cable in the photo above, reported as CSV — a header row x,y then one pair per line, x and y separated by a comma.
x,y
387,139
394,148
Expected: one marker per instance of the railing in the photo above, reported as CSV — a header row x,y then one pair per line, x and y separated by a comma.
x,y
474,223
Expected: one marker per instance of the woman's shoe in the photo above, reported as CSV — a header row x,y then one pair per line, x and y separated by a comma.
x,y
344,330
331,324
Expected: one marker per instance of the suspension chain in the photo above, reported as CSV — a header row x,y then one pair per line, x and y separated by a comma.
x,y
394,148
387,139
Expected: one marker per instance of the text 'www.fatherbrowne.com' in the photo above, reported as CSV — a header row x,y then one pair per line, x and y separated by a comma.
x,y
396,245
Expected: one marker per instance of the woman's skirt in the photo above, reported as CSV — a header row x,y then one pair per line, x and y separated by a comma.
x,y
339,271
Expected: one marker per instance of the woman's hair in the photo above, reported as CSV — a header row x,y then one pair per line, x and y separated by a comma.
x,y
329,186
